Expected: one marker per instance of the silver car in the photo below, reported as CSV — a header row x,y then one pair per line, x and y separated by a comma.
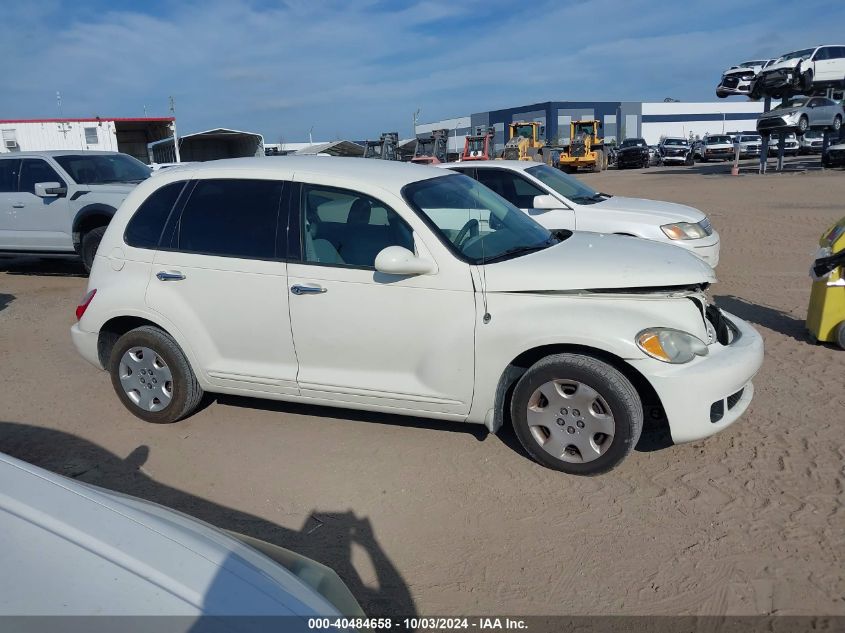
x,y
749,145
801,114
811,142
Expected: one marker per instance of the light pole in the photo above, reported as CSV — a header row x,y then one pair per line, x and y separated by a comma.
x,y
416,118
175,135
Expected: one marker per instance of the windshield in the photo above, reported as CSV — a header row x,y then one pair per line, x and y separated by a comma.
x,y
101,169
526,131
803,54
749,139
812,134
792,103
752,64
633,142
474,221
675,141
713,140
567,186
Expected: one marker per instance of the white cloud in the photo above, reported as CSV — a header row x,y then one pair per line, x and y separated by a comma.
x,y
356,69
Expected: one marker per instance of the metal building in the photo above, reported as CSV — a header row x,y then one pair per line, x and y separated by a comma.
x,y
117,134
620,119
209,145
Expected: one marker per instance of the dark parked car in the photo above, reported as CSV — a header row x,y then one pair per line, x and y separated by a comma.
x,y
675,150
633,152
835,156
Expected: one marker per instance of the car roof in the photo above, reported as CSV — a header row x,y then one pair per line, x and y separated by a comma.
x,y
59,152
384,172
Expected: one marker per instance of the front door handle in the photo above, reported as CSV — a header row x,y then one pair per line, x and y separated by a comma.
x,y
307,290
18,205
167,275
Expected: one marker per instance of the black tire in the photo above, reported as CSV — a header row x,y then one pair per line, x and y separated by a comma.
x,y
837,123
840,335
599,166
807,81
610,384
647,162
186,391
90,242
803,126
702,159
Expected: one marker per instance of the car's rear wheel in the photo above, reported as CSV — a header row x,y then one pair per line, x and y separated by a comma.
x,y
576,414
152,376
647,162
90,243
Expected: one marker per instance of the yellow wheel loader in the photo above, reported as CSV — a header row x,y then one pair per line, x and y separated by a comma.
x,y
525,141
585,147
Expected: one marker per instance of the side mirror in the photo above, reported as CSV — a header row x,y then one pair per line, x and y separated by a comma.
x,y
547,202
396,260
49,189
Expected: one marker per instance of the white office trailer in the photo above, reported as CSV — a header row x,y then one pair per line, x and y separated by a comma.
x,y
116,134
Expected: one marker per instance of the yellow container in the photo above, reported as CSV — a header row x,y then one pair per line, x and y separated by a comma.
x,y
826,313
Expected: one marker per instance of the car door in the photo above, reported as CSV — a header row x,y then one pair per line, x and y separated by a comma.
x,y
365,338
220,277
520,192
824,65
32,222
9,172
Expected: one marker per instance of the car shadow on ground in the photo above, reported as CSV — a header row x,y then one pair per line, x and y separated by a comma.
x,y
327,537
5,300
48,267
748,166
765,316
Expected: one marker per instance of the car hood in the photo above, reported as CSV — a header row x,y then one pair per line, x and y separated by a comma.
x,y
78,549
598,261
660,212
788,63
778,112
115,188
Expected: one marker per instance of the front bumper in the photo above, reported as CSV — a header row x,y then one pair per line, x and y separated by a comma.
x,y
635,160
704,396
86,344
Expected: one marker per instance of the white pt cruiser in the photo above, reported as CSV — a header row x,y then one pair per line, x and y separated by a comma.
x,y
410,290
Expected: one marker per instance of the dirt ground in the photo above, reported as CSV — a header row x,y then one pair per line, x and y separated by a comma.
x,y
430,518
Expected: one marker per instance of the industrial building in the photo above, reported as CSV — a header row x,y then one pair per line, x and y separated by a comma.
x,y
209,145
128,135
620,119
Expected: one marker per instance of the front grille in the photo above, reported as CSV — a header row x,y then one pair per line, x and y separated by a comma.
x,y
717,411
751,148
730,82
773,122
734,398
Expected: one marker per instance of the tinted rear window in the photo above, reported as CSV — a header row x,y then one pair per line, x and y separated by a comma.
x,y
145,227
232,218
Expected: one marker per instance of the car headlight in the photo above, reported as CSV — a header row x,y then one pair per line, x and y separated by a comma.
x,y
684,231
670,346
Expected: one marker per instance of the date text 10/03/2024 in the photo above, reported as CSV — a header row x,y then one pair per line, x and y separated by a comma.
x,y
416,624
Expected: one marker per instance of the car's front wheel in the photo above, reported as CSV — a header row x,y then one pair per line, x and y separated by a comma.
x,y
152,376
576,414
837,123
803,125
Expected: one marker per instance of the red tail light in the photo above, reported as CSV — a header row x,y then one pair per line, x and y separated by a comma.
x,y
86,300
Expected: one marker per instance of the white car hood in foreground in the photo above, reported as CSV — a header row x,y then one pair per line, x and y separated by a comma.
x,y
650,210
67,548
598,261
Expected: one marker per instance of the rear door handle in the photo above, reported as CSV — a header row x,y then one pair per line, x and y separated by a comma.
x,y
167,275
18,205
307,290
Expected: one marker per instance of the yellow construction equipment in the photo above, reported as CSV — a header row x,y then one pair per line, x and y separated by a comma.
x,y
585,148
826,314
525,140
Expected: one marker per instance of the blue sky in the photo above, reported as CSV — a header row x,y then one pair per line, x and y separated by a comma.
x,y
354,69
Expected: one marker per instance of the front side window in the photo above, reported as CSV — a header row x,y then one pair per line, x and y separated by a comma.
x,y
102,169
569,187
146,226
475,223
35,170
346,228
9,170
231,218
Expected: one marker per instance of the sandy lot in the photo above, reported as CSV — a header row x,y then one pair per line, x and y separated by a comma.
x,y
429,518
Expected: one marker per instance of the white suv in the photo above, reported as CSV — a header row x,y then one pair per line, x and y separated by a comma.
x,y
410,290
802,71
560,201
58,203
